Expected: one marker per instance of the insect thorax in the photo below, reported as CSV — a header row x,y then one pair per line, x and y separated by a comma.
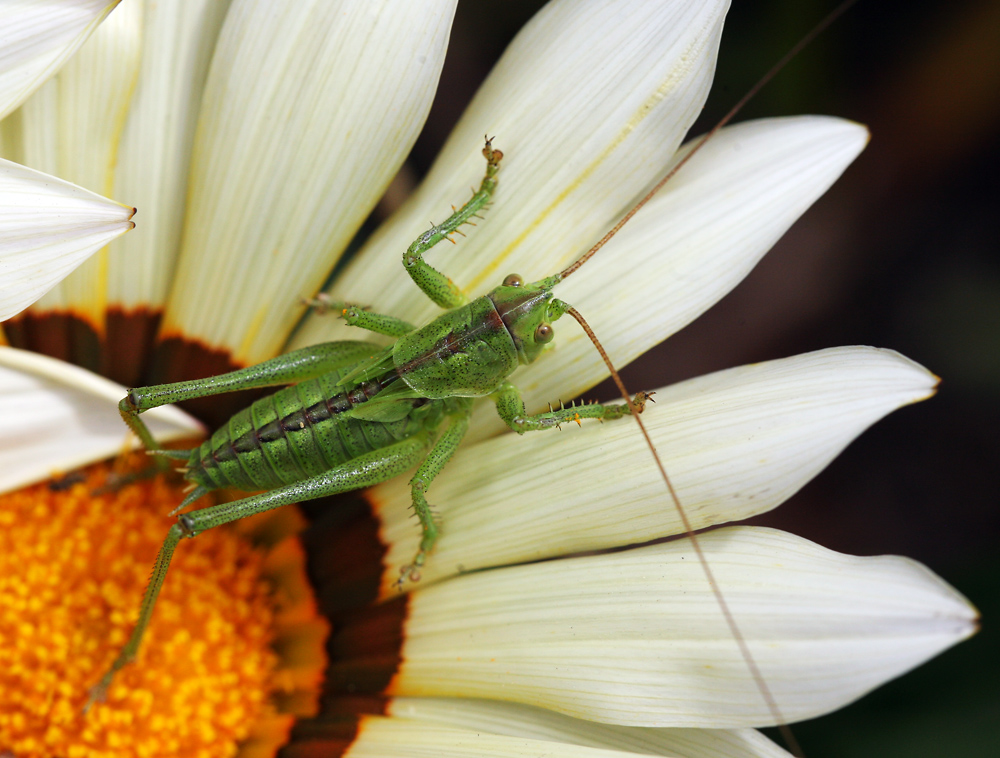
x,y
466,352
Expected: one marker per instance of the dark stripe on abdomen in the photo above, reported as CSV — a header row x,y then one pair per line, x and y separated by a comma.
x,y
298,445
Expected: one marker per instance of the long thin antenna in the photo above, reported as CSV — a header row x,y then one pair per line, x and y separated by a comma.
x,y
799,46
755,672
734,629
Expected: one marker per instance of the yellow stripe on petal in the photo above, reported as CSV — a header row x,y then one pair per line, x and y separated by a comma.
x,y
588,103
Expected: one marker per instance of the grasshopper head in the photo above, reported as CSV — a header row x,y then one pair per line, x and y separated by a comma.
x,y
527,311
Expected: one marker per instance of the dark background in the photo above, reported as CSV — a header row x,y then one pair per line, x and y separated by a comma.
x,y
901,253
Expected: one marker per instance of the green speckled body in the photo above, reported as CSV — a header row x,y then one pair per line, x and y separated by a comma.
x,y
306,429
466,352
391,395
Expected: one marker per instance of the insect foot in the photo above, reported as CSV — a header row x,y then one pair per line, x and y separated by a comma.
x,y
321,304
639,401
425,512
409,572
492,156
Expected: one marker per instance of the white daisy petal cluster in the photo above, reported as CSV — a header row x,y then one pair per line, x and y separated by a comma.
x,y
39,36
48,227
57,417
736,443
256,138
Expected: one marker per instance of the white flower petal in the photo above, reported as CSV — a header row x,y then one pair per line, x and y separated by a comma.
x,y
38,38
588,103
379,736
55,417
155,153
48,227
735,443
637,638
309,110
690,246
518,720
71,128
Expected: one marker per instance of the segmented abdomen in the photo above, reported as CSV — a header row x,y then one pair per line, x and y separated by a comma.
x,y
296,433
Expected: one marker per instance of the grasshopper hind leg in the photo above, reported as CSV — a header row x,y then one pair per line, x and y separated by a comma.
x,y
363,471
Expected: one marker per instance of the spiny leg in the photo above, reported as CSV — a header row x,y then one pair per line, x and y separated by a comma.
x,y
432,282
364,471
99,690
510,406
436,459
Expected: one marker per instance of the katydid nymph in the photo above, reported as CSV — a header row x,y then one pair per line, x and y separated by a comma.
x,y
357,414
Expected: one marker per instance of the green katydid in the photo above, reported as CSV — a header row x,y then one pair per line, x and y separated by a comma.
x,y
357,414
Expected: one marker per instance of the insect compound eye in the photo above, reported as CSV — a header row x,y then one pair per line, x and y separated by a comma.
x,y
513,280
544,333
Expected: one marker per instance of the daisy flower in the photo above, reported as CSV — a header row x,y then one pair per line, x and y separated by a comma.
x,y
255,139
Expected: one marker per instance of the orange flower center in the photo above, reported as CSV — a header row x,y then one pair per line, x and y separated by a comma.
x,y
73,566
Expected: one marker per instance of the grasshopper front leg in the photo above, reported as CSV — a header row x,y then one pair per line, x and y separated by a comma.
x,y
510,406
432,282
